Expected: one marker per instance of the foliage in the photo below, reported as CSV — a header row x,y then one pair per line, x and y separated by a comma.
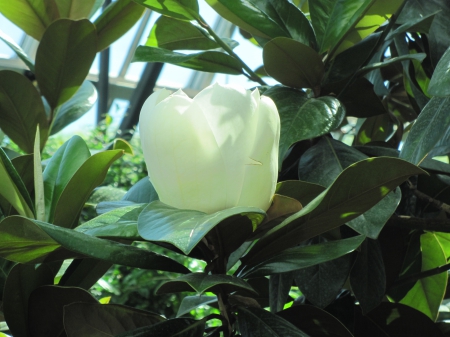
x,y
359,222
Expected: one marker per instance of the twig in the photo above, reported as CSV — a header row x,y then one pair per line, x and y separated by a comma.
x,y
428,224
421,275
437,203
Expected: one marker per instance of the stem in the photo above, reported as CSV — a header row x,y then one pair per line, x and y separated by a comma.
x,y
228,330
250,73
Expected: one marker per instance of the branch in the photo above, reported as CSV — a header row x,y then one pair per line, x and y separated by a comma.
x,y
437,203
428,224
421,275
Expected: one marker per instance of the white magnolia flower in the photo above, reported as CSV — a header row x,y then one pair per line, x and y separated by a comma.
x,y
215,151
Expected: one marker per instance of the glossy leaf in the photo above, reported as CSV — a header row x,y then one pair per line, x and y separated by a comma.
x,y
316,322
300,190
18,50
177,327
209,61
84,273
173,34
118,223
141,192
368,277
377,128
116,20
80,103
255,322
20,117
427,294
293,63
248,16
427,131
46,306
302,257
358,188
185,228
202,282
60,169
63,59
13,189
419,57
335,157
39,196
193,302
178,9
21,282
279,288
439,84
95,319
31,16
90,174
303,117
74,9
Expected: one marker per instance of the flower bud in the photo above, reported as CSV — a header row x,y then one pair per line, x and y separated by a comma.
x,y
215,151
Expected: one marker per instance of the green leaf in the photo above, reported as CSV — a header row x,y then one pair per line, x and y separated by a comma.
x,y
178,9
116,20
358,188
192,302
38,180
419,57
90,174
18,50
368,277
73,9
185,228
172,34
63,59
428,130
84,273
335,156
21,282
19,117
279,288
202,282
95,319
300,190
13,189
30,16
440,81
122,144
46,305
302,117
421,24
376,128
118,223
293,63
141,192
246,15
427,294
80,103
177,327
303,257
209,61
60,169
255,322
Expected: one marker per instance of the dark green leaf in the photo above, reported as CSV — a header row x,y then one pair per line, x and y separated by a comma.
x,y
116,20
193,302
293,63
38,181
21,282
178,9
177,327
418,25
118,223
90,174
74,9
427,131
5,268
209,61
185,228
63,59
84,273
301,190
376,128
18,50
303,117
60,169
316,322
201,282
368,278
21,110
95,319
321,283
279,288
31,16
13,189
427,294
80,103
419,57
358,188
172,34
255,322
46,306
302,257
141,192
440,82
246,15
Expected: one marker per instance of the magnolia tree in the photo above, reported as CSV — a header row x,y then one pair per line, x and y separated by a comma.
x,y
333,183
